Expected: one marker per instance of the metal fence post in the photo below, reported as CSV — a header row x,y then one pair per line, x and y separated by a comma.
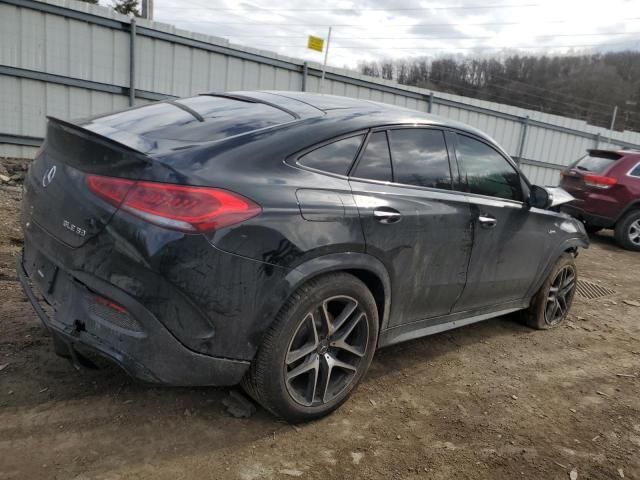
x,y
523,138
305,74
597,140
132,63
430,102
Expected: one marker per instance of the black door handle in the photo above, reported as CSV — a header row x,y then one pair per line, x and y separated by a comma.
x,y
387,215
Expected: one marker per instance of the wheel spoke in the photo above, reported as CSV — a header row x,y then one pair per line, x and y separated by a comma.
x,y
325,352
307,348
326,378
312,386
310,364
326,318
562,306
344,315
335,363
568,280
340,340
550,313
342,345
301,352
332,363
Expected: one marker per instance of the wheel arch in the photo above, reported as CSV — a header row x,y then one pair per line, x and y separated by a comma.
x,y
365,267
569,245
633,206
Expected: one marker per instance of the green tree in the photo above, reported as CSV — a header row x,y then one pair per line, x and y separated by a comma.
x,y
127,7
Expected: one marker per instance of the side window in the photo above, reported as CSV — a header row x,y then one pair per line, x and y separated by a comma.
x,y
335,157
485,171
420,157
375,162
636,171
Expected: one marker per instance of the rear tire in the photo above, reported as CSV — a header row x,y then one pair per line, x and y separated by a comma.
x,y
627,231
550,306
317,350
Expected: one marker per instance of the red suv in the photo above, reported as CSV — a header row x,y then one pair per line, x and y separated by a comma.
x,y
606,185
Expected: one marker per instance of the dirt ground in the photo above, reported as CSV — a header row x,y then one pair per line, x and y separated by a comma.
x,y
491,400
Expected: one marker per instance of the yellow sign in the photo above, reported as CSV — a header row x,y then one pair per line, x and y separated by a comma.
x,y
315,43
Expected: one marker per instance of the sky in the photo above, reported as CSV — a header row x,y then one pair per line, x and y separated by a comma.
x,y
393,29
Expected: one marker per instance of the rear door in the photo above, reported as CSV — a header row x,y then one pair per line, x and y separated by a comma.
x,y
510,240
412,220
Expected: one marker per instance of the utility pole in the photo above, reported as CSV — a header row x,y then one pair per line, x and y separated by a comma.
x,y
324,65
613,121
146,8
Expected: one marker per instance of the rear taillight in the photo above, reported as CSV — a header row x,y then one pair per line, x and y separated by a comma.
x,y
179,207
599,181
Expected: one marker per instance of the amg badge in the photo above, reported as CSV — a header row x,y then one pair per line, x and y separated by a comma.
x,y
74,228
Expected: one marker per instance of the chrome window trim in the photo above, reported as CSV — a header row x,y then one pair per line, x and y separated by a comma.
x,y
632,169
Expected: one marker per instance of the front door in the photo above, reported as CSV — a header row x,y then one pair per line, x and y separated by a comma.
x,y
413,221
510,240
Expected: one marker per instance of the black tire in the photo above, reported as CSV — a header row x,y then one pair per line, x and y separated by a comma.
x,y
627,231
543,314
300,326
591,229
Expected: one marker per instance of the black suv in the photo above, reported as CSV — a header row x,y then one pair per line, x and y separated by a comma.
x,y
278,239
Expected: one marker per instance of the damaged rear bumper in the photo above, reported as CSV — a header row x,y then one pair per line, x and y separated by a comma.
x,y
136,341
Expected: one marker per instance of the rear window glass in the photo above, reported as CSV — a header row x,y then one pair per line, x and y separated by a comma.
x,y
335,157
219,118
596,162
375,162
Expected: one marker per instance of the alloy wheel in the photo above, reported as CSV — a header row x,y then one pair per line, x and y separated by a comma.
x,y
634,232
560,295
326,351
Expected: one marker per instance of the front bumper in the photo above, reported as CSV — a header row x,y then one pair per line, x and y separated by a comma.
x,y
143,347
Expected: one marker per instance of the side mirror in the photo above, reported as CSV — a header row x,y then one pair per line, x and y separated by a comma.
x,y
547,197
539,197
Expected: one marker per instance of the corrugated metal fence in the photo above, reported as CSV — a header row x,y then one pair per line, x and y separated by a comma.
x,y
71,60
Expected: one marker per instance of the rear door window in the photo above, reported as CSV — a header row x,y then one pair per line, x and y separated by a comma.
x,y
596,162
336,157
485,171
636,171
375,162
419,157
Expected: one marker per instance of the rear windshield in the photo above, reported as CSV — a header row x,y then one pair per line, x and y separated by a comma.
x,y
201,119
596,162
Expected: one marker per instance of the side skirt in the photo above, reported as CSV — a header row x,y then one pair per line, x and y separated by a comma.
x,y
431,326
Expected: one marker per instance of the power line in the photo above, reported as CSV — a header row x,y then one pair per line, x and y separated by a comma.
x,y
433,37
546,99
420,25
486,47
551,91
354,9
510,101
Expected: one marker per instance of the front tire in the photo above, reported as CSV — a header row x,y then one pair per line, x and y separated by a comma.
x,y
317,350
627,231
550,306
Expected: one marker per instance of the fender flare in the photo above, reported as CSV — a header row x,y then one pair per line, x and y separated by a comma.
x,y
333,262
568,244
635,205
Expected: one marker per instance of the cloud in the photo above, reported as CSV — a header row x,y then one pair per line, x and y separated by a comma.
x,y
376,29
